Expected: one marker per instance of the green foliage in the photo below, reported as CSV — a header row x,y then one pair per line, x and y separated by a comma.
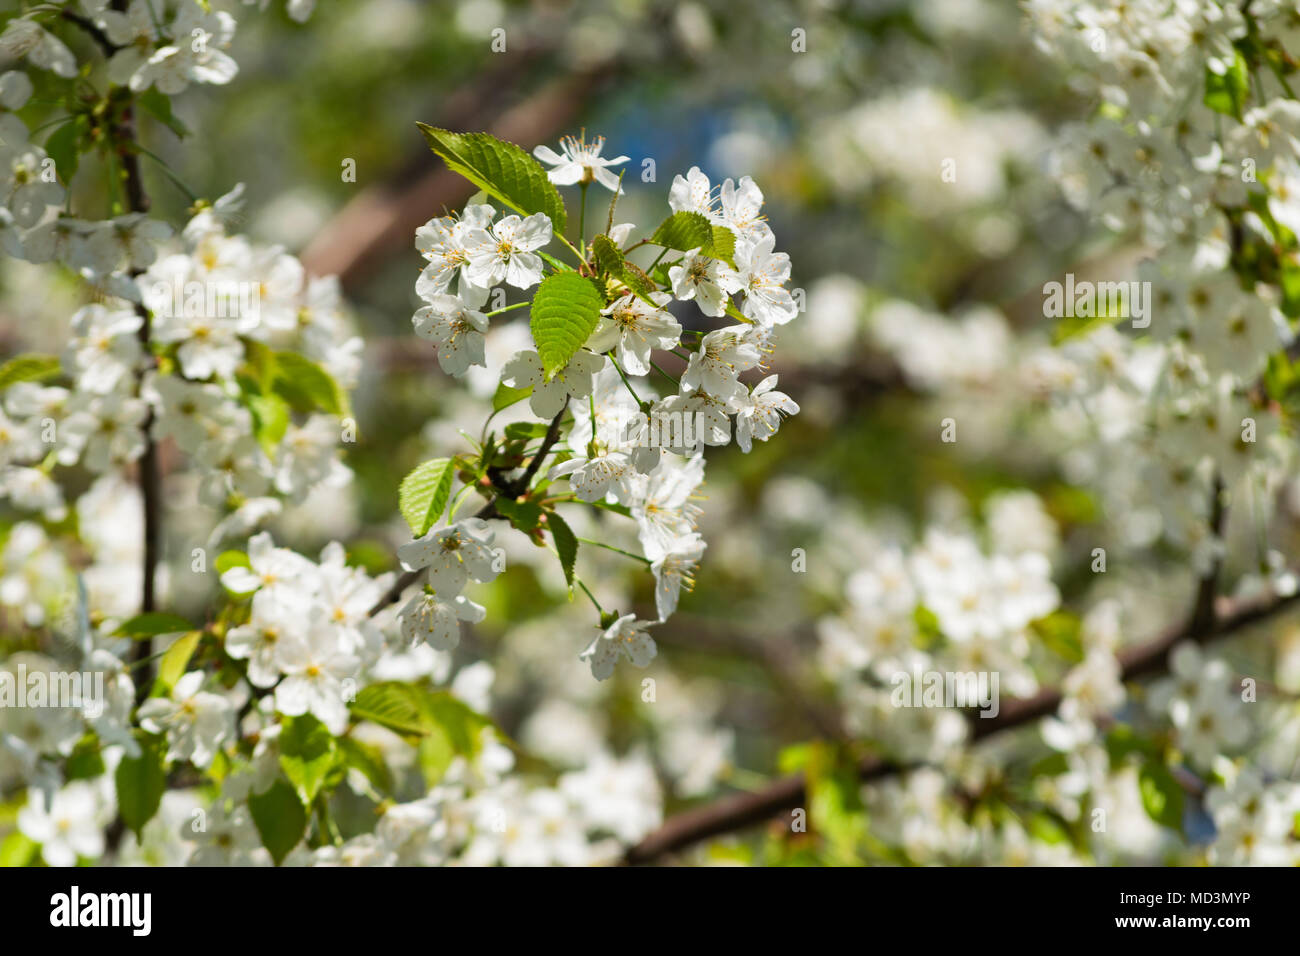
x,y
1060,631
64,147
502,170
306,754
86,760
144,626
506,396
279,817
368,759
609,258
423,494
566,545
140,782
231,559
171,667
306,386
1162,797
420,714
564,314
30,367
17,850
685,231
159,105
524,515
1227,92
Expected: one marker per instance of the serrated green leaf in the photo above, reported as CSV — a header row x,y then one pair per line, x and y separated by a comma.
x,y
564,314
30,367
685,231
610,260
306,754
416,712
279,817
171,667
423,494
502,170
141,782
390,704
1162,797
306,386
152,624
566,544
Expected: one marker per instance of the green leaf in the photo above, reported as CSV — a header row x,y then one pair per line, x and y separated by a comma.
x,y
452,730
306,754
368,759
1060,631
390,704
416,712
524,516
159,105
18,850
564,314
685,231
507,396
85,762
1227,92
834,805
502,170
62,147
566,545
152,624
171,667
610,260
524,431
423,494
1162,797
28,368
232,559
280,818
140,782
270,420
306,386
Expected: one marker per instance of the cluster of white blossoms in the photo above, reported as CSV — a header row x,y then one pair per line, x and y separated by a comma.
x,y
216,308
221,356
166,44
944,606
612,450
1202,181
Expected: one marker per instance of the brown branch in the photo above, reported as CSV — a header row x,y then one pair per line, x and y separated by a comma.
x,y
382,219
743,810
502,489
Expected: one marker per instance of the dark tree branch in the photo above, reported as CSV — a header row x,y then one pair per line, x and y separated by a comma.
x,y
743,810
502,488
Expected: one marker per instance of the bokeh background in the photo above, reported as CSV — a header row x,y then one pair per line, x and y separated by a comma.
x,y
923,295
